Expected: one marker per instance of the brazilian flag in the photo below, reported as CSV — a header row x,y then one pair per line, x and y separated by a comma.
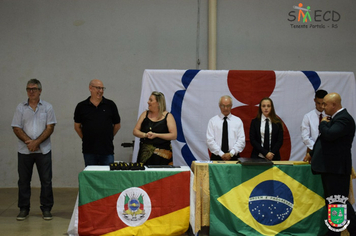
x,y
265,200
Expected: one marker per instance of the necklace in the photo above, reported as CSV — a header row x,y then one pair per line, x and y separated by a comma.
x,y
150,124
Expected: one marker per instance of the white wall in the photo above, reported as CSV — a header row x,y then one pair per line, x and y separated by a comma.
x,y
66,43
258,35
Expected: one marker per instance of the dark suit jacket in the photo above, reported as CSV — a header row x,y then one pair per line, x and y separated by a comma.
x,y
332,150
255,139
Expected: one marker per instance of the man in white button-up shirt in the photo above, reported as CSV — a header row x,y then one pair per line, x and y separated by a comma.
x,y
236,133
311,120
33,124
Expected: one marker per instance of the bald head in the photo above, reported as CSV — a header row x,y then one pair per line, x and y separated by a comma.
x,y
334,98
96,88
332,103
96,82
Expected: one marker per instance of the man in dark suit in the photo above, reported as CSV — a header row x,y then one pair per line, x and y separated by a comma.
x,y
331,154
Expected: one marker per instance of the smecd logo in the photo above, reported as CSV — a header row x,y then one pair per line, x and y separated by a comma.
x,y
306,16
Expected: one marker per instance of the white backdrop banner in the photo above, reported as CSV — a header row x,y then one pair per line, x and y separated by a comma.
x,y
192,97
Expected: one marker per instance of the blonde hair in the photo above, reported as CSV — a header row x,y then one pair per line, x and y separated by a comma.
x,y
161,101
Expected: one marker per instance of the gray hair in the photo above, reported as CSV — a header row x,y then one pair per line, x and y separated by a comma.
x,y
225,97
35,81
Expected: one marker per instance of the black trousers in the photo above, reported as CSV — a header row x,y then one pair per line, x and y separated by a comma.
x,y
335,184
25,169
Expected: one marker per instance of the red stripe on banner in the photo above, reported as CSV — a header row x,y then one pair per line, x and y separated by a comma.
x,y
166,200
250,87
167,195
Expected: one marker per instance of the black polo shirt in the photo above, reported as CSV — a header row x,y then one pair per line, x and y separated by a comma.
x,y
97,125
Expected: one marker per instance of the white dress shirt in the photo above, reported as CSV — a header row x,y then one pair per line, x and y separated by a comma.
x,y
236,134
310,127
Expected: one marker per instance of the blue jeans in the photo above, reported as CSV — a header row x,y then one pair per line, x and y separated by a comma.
x,y
96,159
25,169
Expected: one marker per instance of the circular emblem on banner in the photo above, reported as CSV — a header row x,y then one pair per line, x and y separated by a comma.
x,y
271,202
133,206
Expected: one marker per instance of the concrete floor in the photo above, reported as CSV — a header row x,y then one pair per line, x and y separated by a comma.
x,y
34,225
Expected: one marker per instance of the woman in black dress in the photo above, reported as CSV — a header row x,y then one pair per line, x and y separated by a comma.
x,y
156,128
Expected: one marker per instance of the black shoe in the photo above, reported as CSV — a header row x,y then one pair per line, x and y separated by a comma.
x,y
22,215
46,215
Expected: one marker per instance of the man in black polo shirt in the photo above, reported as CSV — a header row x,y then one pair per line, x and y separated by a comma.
x,y
97,120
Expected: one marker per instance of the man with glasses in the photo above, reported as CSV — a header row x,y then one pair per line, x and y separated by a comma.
x,y
225,134
97,120
33,124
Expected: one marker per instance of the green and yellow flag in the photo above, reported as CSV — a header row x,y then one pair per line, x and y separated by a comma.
x,y
133,203
265,200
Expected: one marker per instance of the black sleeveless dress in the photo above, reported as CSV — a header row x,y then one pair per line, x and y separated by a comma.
x,y
156,127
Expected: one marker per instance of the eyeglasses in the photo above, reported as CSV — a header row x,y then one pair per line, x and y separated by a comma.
x,y
99,88
32,89
225,106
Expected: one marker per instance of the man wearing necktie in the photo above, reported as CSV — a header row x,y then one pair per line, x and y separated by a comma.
x,y
225,133
310,124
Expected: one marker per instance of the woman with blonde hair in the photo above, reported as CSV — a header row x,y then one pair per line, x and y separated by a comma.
x,y
156,128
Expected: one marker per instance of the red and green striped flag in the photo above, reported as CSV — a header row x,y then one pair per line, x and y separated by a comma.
x,y
265,200
133,202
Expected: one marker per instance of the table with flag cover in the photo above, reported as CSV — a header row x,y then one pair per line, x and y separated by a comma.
x,y
99,205
265,200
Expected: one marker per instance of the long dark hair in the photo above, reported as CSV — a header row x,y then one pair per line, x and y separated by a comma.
x,y
272,115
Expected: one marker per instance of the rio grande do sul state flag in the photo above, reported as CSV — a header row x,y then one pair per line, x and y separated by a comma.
x,y
133,203
260,200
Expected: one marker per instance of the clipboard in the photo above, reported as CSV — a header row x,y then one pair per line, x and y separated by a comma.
x,y
254,161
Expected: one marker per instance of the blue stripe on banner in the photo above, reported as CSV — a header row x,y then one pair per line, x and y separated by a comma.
x,y
187,155
176,110
313,78
188,77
